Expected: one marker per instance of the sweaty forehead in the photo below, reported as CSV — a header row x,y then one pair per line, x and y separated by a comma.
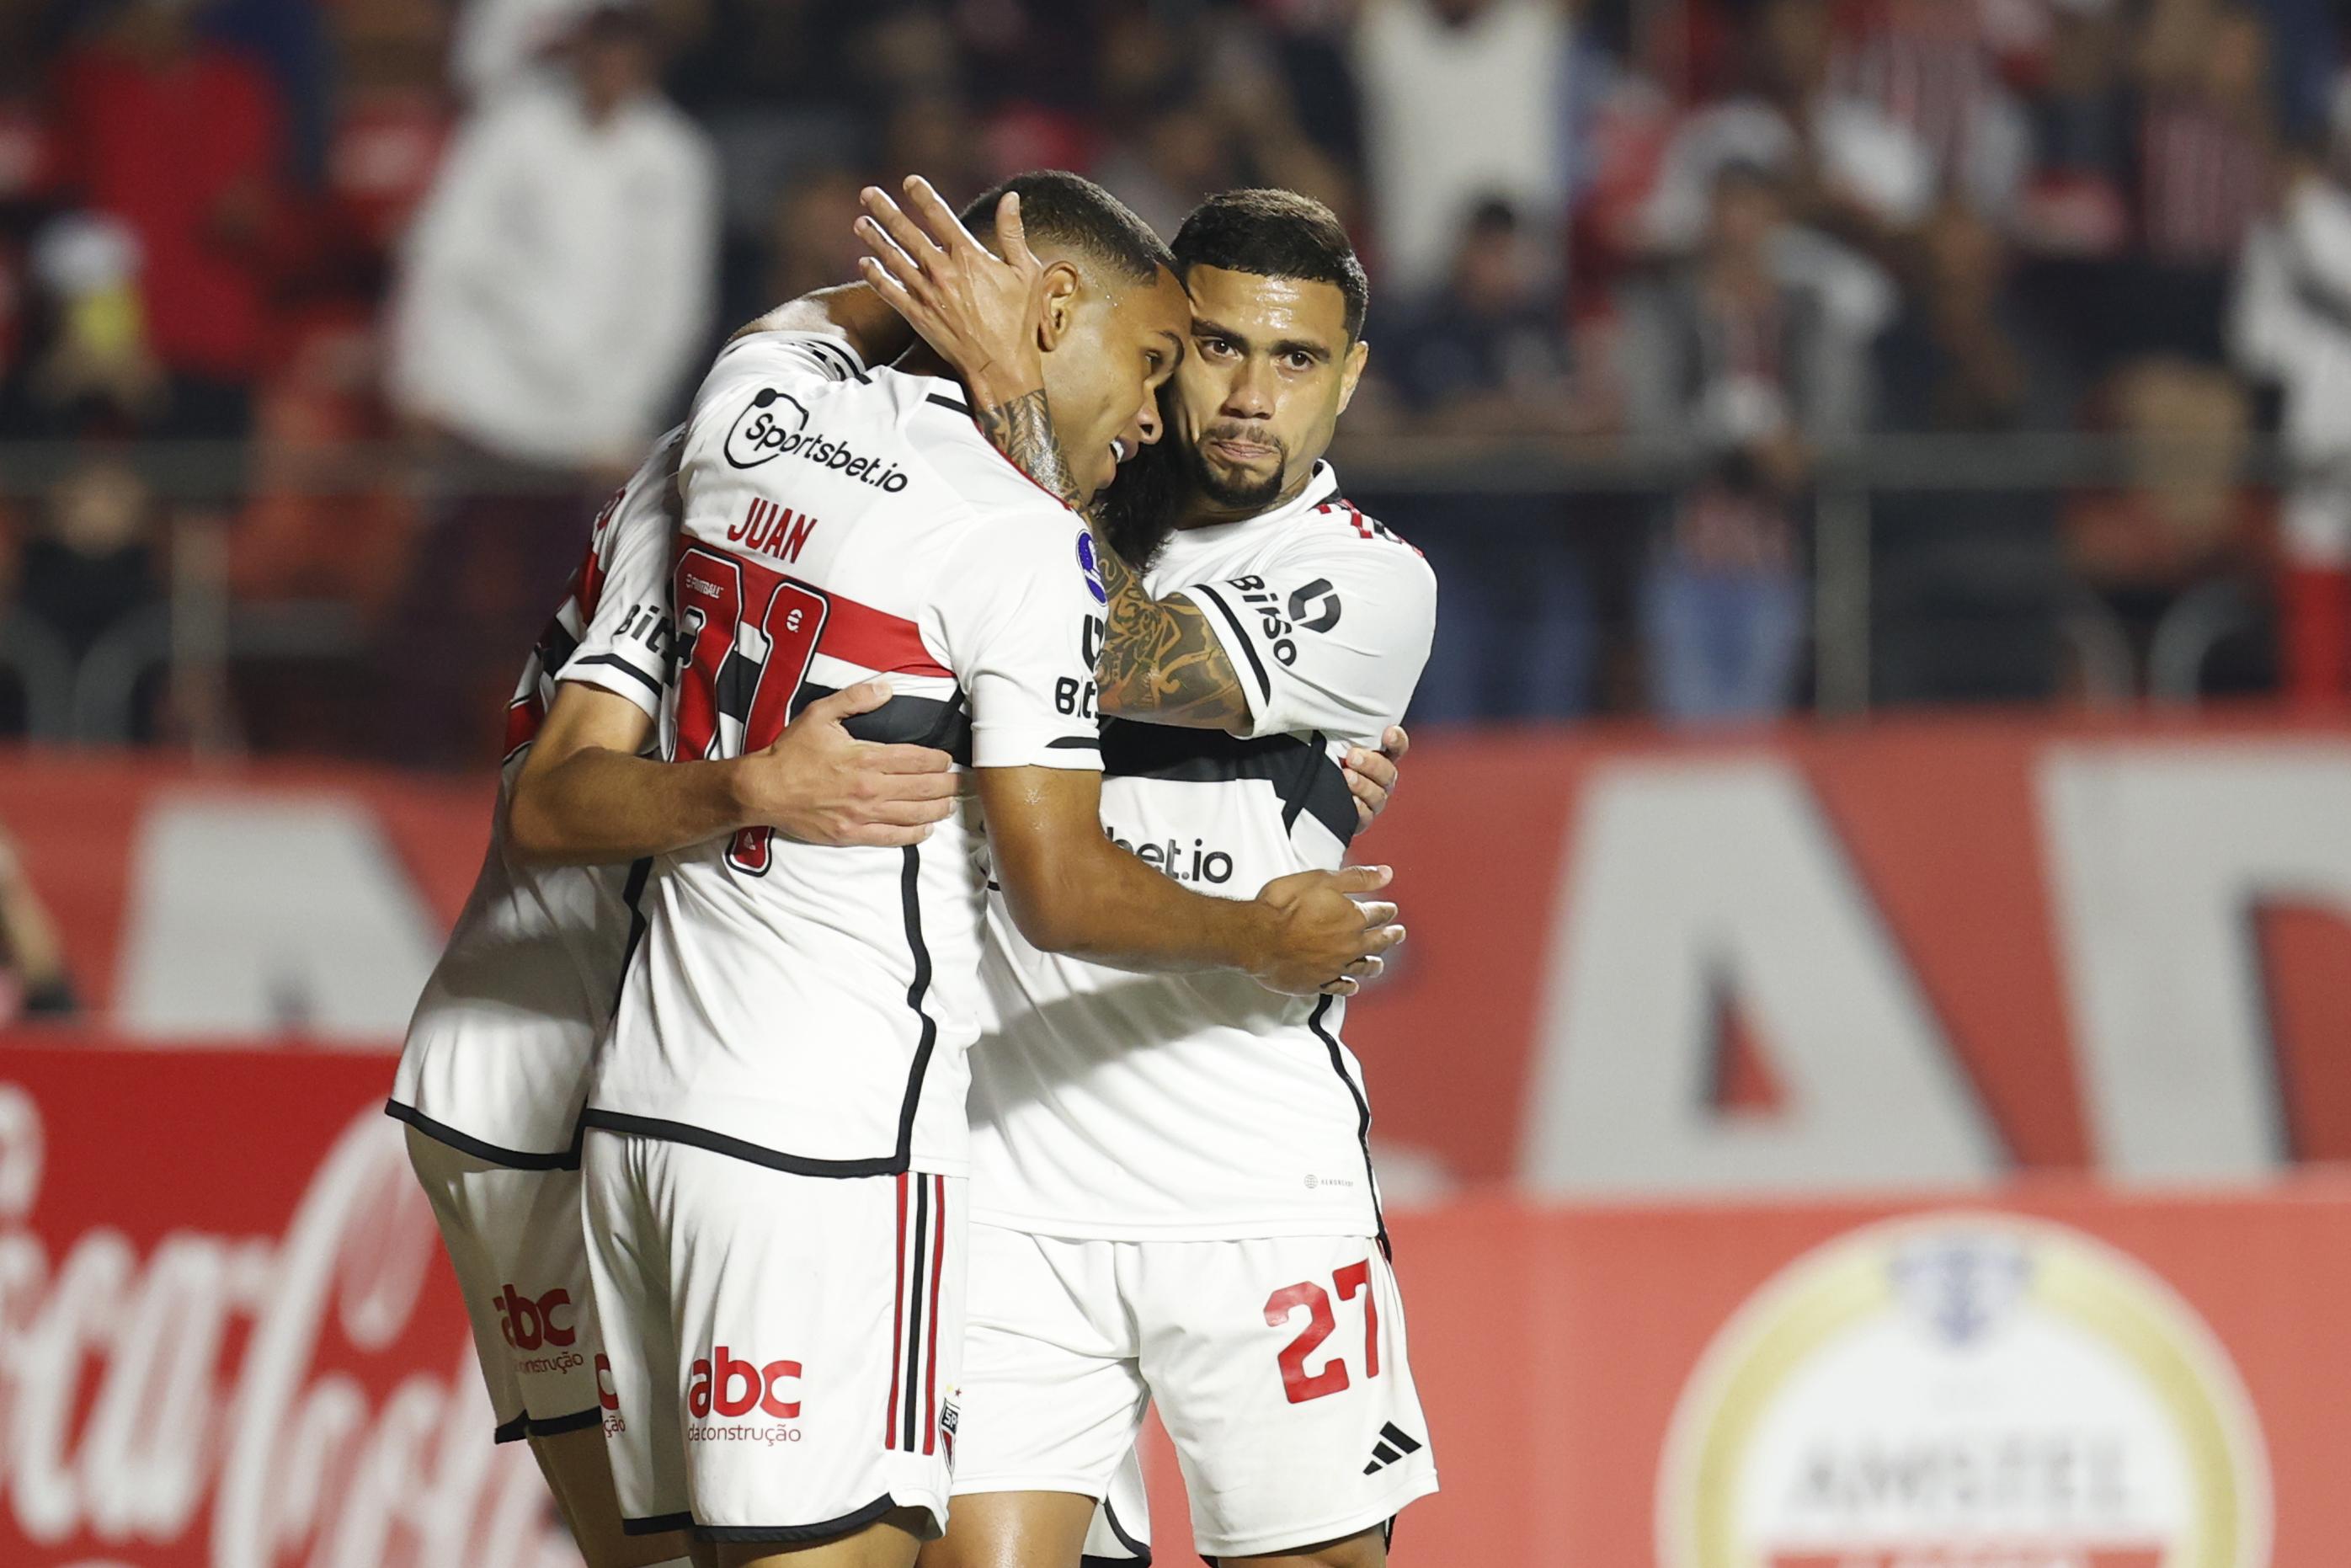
x,y
1271,308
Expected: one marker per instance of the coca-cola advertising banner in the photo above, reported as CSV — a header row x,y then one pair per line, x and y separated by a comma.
x,y
227,1340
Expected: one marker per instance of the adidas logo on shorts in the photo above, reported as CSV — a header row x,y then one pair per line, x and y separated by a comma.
x,y
1394,1444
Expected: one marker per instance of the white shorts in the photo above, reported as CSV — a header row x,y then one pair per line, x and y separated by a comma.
x,y
1277,1366
784,1348
514,1237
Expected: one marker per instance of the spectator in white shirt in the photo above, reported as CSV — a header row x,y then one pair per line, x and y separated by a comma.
x,y
1463,99
557,283
1849,170
557,286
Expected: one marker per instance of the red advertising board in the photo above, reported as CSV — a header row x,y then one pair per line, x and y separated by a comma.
x,y
1639,966
231,1344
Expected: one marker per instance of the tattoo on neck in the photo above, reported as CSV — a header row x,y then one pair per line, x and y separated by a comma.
x,y
1022,430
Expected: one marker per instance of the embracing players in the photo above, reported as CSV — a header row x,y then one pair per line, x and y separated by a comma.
x,y
1171,1191
775,1161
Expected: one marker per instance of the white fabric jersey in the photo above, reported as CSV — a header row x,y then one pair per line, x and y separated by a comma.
x,y
497,1057
809,1007
1127,1106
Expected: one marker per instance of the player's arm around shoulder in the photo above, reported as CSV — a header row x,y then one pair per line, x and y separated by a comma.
x,y
1070,890
588,796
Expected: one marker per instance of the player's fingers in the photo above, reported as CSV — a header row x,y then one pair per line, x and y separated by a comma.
x,y
1363,878
1011,234
1366,968
879,279
1342,989
924,787
1373,766
900,812
847,703
879,835
904,232
1395,743
906,276
939,220
907,758
1385,937
1375,915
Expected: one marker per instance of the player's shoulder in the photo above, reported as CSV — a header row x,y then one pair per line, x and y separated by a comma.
x,y
1337,533
647,504
939,428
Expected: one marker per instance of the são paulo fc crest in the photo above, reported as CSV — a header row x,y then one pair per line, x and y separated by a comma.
x,y
1958,1390
1091,564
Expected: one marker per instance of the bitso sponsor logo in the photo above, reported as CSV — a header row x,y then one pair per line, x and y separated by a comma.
x,y
1313,607
1965,1391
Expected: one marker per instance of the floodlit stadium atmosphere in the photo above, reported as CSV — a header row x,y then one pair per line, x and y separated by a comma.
x,y
1264,783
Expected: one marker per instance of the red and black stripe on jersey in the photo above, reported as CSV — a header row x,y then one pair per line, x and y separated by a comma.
x,y
1366,527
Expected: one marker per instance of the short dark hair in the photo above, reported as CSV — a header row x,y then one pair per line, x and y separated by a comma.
x,y
1071,210
1276,234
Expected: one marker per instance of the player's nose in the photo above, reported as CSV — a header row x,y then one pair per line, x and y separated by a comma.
x,y
1250,395
1148,427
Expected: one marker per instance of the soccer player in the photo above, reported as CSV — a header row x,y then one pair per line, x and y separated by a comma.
x,y
495,1068
775,1145
1173,1194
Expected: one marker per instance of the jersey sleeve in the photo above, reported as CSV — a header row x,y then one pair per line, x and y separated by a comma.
x,y
625,646
1021,612
1331,636
759,359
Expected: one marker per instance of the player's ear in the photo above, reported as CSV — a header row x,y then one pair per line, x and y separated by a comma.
x,y
1351,371
1057,305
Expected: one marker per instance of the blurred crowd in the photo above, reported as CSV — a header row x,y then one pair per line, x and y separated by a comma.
x,y
1739,240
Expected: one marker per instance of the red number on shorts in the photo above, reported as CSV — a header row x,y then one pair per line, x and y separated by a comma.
x,y
1352,1280
1296,1382
1349,1280
747,633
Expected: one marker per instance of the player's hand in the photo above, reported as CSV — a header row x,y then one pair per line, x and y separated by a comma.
x,y
1372,775
1328,940
978,310
821,785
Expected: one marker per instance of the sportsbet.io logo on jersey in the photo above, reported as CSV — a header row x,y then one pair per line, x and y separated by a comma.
x,y
775,424
1973,1391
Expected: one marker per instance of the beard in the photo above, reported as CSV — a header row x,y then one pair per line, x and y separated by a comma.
x,y
1240,493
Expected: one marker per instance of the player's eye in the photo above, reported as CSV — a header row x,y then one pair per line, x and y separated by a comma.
x,y
1300,359
1216,348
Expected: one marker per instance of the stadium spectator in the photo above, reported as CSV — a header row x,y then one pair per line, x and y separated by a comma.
x,y
557,285
1489,356
2206,137
1748,370
1968,583
88,571
1846,169
183,141
1928,66
2293,328
558,280
2182,520
1461,98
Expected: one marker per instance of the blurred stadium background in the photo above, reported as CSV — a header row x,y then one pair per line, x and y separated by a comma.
x,y
1866,1085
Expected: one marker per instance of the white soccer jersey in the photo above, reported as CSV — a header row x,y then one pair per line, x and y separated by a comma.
x,y
498,1053
1123,1106
806,1008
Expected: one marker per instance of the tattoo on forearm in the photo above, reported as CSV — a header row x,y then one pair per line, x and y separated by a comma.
x,y
1159,660
1023,431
